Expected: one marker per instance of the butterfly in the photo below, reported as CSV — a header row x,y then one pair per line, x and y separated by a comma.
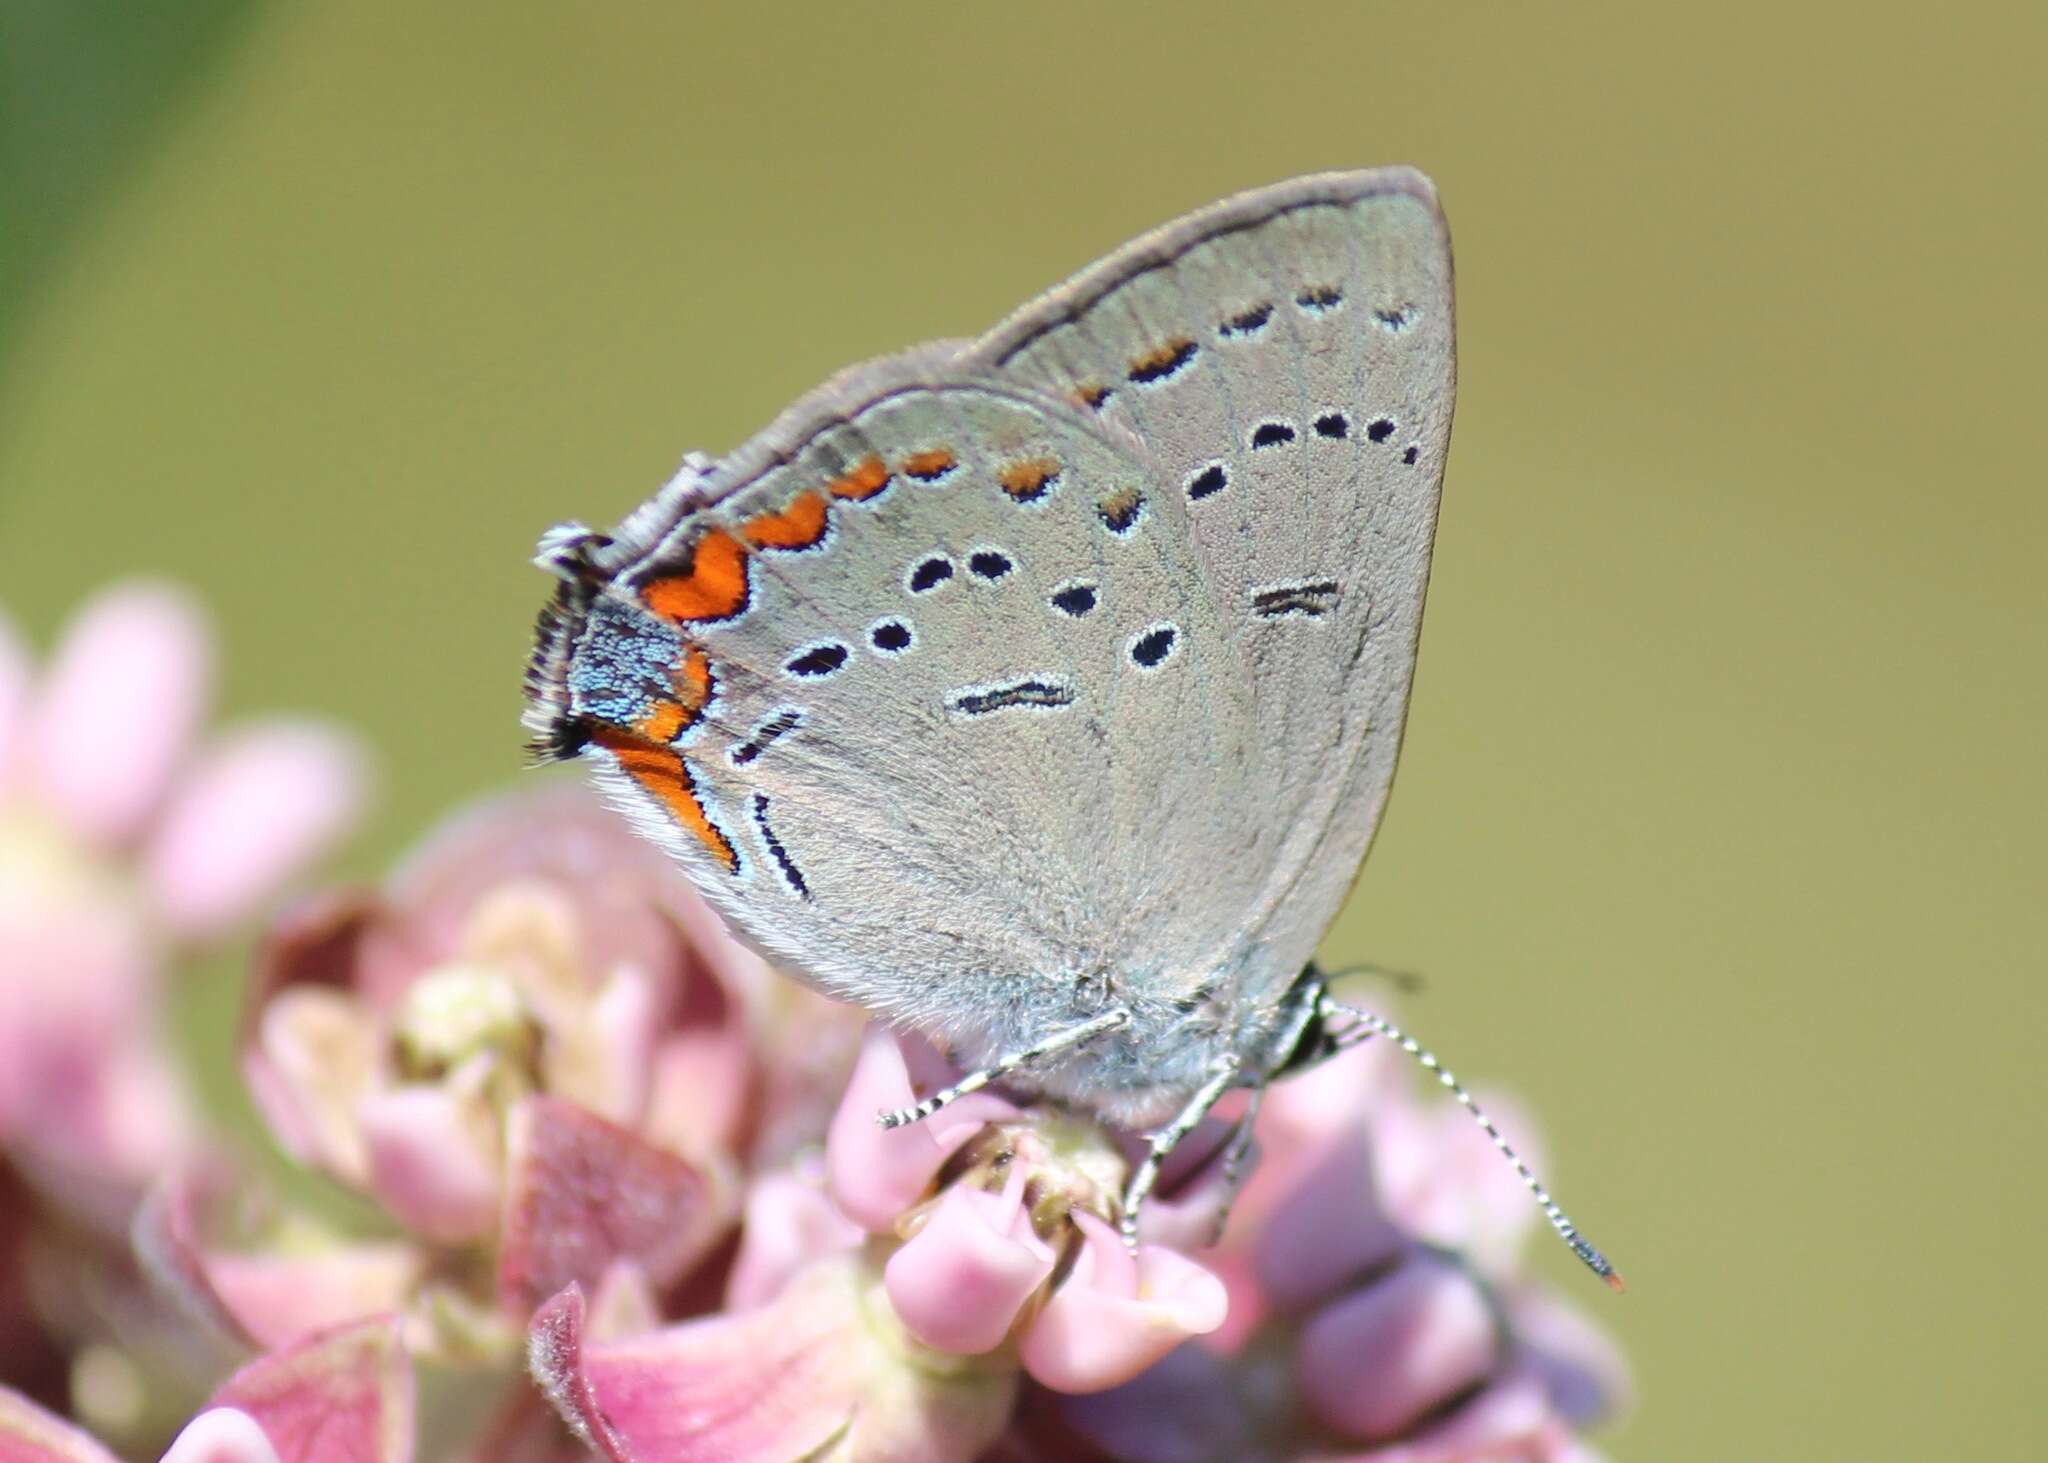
x,y
1042,692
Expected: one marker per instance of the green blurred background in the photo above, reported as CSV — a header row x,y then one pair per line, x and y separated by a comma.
x,y
1718,833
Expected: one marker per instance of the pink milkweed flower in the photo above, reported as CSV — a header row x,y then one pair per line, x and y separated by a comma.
x,y
989,1254
122,844
342,1397
1375,1254
533,1045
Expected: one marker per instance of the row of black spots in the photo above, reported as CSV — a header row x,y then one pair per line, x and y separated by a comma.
x,y
1410,453
1122,511
1319,299
778,725
1074,600
1162,364
791,874
1333,425
891,637
1246,322
1031,693
816,661
1311,599
1396,319
1093,395
1151,647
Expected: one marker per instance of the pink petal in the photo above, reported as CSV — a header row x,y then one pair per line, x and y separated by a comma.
x,y
789,1223
256,1299
1374,1362
584,1194
256,810
30,1435
309,1044
121,702
222,1435
1442,1178
431,1162
1328,1229
803,1376
1582,1369
343,1396
877,1173
1116,1314
959,1283
704,1090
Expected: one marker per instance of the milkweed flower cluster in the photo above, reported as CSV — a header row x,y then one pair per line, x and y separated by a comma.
x,y
598,1183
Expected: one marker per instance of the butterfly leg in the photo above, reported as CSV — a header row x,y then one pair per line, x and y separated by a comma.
x,y
1002,1066
1168,1138
1235,1158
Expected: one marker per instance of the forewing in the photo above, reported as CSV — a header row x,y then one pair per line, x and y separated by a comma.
x,y
925,689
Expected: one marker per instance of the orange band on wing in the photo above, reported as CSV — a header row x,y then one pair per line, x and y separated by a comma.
x,y
867,478
712,587
669,717
928,466
1028,479
664,776
799,526
693,682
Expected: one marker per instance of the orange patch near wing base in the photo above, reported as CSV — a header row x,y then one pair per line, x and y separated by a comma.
x,y
664,776
713,587
693,683
867,478
799,526
668,718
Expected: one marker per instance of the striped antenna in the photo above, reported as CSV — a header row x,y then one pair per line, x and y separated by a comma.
x,y
1364,1025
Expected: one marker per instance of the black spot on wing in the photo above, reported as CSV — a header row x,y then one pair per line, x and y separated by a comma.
x,y
791,874
1074,599
1210,480
815,662
1151,647
1035,692
781,724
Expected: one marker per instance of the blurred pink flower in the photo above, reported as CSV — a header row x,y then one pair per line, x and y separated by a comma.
x,y
342,1397
121,844
991,1253
1374,1260
534,1047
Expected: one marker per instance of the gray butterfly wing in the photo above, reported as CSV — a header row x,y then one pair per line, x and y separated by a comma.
x,y
926,690
1287,359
